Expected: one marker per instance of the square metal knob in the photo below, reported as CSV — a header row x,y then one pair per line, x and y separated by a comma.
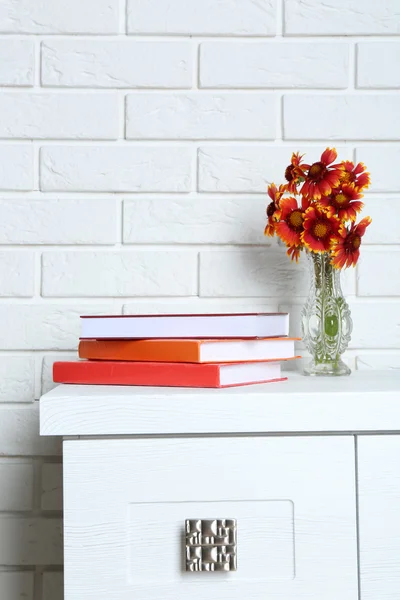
x,y
210,544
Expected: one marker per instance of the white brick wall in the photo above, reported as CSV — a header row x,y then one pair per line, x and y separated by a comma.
x,y
16,167
115,169
17,60
274,65
116,64
200,116
186,17
59,116
136,142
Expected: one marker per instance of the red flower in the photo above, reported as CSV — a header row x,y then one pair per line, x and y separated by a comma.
x,y
294,252
356,175
289,223
294,173
275,194
320,227
321,179
346,247
345,201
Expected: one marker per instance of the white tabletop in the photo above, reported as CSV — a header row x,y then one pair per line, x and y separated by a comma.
x,y
366,401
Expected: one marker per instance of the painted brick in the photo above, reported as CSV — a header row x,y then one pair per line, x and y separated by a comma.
x,y
294,311
378,159
376,324
59,116
17,378
91,274
45,326
115,169
16,586
379,362
341,117
258,273
384,262
201,116
343,17
53,586
16,62
377,65
51,490
16,167
382,230
30,541
240,168
248,169
16,489
200,305
17,274
57,221
197,220
206,17
116,64
273,65
47,382
19,435
57,16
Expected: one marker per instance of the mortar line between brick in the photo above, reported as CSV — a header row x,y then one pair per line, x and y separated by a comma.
x,y
123,17
280,18
196,65
352,67
169,37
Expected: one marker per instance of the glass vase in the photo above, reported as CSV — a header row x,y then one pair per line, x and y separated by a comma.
x,y
326,319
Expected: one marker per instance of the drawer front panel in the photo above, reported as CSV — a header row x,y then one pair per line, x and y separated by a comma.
x,y
379,504
126,502
265,539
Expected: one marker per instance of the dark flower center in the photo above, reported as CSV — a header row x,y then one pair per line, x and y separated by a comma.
x,y
321,229
347,177
295,220
352,243
340,199
289,173
271,208
317,171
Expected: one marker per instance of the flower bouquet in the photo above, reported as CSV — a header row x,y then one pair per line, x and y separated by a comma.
x,y
316,211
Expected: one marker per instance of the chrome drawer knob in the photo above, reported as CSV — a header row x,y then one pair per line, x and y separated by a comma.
x,y
210,544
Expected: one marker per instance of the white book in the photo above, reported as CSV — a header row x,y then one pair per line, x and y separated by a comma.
x,y
251,325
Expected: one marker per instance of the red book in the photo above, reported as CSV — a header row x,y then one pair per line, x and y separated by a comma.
x,y
165,374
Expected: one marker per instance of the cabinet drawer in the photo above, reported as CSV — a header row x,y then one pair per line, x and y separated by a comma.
x,y
379,501
293,499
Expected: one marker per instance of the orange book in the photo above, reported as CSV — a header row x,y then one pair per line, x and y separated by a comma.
x,y
165,374
189,351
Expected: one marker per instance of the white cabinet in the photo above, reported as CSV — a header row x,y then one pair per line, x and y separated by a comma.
x,y
379,508
126,502
282,460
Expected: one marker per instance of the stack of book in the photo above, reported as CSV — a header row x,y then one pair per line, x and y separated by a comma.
x,y
207,351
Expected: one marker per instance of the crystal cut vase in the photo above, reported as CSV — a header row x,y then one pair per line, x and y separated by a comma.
x,y
326,320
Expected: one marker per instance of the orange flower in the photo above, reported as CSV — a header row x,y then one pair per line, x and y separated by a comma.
x,y
294,252
345,201
289,223
357,175
275,194
320,227
321,179
346,247
294,172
